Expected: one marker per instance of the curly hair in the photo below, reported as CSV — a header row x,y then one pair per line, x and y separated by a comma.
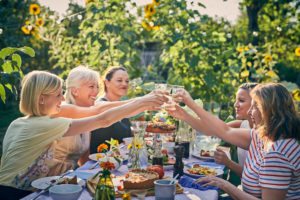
x,y
278,110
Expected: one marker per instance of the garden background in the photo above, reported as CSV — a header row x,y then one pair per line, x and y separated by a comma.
x,y
164,41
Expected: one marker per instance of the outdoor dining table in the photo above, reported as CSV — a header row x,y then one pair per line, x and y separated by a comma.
x,y
84,173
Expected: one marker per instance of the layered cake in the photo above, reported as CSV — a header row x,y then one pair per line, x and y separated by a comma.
x,y
160,127
140,179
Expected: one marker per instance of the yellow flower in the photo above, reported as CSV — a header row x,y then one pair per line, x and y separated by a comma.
x,y
88,1
37,36
149,28
246,48
33,30
239,49
156,27
149,10
137,145
149,67
126,196
25,30
34,9
268,58
156,2
129,146
249,64
98,156
297,51
40,22
296,94
146,26
26,22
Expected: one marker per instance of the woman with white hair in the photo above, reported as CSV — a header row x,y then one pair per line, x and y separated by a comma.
x,y
82,88
29,141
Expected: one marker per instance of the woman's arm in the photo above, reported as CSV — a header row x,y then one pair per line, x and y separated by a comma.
x,y
76,112
209,124
235,123
105,119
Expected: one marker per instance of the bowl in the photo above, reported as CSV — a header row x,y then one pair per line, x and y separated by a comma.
x,y
65,192
127,140
169,146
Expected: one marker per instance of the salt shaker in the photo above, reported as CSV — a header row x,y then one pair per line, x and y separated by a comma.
x,y
178,166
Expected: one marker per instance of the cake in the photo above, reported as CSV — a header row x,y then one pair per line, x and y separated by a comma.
x,y
139,179
160,127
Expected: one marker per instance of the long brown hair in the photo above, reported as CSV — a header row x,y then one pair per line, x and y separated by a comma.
x,y
278,110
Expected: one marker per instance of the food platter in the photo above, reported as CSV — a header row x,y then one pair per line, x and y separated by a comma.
x,y
203,170
204,158
43,183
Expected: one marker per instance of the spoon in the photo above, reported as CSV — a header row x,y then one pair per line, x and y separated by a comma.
x,y
173,180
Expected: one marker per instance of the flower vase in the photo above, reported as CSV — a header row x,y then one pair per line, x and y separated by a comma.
x,y
134,159
105,187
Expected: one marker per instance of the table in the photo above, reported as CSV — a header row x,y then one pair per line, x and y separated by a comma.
x,y
83,172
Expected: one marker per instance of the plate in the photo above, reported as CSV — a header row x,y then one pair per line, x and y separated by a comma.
x,y
43,183
218,168
205,158
94,156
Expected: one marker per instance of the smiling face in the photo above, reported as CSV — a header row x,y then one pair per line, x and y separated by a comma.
x,y
85,95
255,115
118,85
242,104
50,103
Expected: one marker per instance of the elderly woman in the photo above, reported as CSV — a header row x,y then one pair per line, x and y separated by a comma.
x,y
272,167
115,84
28,142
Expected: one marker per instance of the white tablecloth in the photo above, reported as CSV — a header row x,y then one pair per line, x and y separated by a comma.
x,y
84,172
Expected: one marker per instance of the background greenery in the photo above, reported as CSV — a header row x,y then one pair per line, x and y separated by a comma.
x,y
209,56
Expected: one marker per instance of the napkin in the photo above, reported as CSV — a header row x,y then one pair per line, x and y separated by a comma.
x,y
185,181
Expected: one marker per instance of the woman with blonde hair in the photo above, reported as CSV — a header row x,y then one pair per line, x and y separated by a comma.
x,y
82,88
29,141
272,167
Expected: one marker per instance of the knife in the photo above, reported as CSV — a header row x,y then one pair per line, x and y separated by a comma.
x,y
94,165
52,184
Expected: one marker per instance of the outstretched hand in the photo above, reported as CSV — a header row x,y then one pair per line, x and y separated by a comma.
x,y
178,112
153,101
182,96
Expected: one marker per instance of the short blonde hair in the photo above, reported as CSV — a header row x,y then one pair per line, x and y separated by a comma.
x,y
78,76
33,85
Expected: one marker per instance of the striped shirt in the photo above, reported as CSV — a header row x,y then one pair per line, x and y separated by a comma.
x,y
278,168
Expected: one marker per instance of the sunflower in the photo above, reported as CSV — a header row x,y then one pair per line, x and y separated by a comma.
x,y
25,30
102,148
246,48
239,49
156,2
27,22
129,146
40,22
34,9
149,10
126,196
297,51
33,30
107,165
138,145
149,67
146,26
88,1
296,94
156,27
268,58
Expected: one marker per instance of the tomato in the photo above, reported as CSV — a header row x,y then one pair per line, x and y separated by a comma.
x,y
158,169
120,188
165,152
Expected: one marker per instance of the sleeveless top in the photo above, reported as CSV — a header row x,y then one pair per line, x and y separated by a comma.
x,y
242,153
117,131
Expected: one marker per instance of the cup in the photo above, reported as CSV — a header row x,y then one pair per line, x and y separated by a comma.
x,y
163,190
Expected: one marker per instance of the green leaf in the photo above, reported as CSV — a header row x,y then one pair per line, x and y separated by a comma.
x,y
2,92
7,51
9,86
29,51
17,59
7,67
201,5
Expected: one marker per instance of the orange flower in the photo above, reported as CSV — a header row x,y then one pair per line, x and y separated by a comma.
x,y
107,165
102,147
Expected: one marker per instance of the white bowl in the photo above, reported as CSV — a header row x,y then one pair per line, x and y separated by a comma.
x,y
65,192
127,140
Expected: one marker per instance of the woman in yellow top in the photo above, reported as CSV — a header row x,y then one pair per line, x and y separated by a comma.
x,y
28,142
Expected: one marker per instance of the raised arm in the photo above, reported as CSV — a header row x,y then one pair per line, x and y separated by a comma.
x,y
209,124
105,119
76,112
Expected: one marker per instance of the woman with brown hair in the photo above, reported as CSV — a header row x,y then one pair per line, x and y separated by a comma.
x,y
272,167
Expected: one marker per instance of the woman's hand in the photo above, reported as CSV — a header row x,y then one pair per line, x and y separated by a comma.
x,y
153,101
182,96
221,157
211,180
178,112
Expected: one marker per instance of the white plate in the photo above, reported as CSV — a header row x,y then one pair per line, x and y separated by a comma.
x,y
188,166
43,183
94,156
205,158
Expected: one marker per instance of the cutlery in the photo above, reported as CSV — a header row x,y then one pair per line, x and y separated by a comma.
x,y
94,165
173,180
52,184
